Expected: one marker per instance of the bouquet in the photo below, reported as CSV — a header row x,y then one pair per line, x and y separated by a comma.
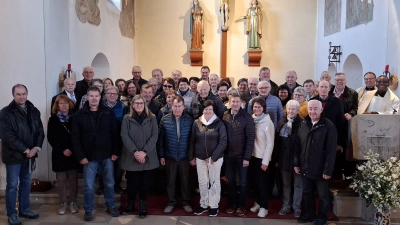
x,y
378,182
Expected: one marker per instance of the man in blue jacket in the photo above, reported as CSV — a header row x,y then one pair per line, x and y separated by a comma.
x,y
173,149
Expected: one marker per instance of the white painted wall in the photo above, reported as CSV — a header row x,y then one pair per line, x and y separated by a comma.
x,y
39,38
368,41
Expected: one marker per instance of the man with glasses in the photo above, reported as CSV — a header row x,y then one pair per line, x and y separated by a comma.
x,y
369,80
83,85
380,101
349,99
137,76
274,105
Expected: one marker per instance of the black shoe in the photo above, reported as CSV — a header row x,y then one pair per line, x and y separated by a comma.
x,y
113,212
88,216
306,218
118,190
200,210
99,191
213,212
28,214
231,209
143,209
129,208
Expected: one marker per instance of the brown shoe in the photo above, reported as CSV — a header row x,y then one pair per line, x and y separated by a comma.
x,y
231,209
240,211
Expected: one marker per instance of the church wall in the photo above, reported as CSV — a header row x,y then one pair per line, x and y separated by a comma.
x,y
288,43
368,41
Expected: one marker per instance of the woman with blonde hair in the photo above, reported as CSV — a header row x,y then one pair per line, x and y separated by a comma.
x,y
139,134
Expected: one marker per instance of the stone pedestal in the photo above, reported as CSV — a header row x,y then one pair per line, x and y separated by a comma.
x,y
254,57
196,57
379,133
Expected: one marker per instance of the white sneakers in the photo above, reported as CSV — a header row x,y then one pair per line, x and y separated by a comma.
x,y
261,211
255,207
63,208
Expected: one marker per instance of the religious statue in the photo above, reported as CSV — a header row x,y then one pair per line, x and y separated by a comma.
x,y
196,26
224,11
254,20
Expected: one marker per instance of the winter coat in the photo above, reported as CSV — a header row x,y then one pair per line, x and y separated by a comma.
x,y
286,145
19,133
139,137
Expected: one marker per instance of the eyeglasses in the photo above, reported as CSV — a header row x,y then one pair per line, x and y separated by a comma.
x,y
263,88
112,94
167,86
86,72
298,95
98,85
138,103
253,84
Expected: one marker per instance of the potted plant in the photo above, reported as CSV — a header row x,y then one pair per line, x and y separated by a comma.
x,y
377,181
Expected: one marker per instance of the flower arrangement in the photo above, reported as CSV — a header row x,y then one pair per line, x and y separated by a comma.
x,y
378,181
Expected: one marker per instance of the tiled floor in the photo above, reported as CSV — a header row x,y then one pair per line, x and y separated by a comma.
x,y
48,216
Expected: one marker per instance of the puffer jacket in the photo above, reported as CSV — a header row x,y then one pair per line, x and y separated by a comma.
x,y
241,134
286,145
208,140
196,106
315,150
169,146
95,141
19,133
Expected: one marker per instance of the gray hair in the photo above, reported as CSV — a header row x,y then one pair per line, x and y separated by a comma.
x,y
263,82
153,79
319,104
157,70
300,90
213,74
253,78
112,87
96,80
293,103
176,71
232,89
323,73
69,78
87,67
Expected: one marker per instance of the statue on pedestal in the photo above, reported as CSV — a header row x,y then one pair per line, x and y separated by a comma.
x,y
224,11
196,26
254,22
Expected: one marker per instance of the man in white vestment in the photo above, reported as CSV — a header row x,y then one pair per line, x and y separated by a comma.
x,y
380,101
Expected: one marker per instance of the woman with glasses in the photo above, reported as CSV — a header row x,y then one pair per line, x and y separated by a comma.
x,y
130,90
167,84
64,163
299,94
97,83
139,134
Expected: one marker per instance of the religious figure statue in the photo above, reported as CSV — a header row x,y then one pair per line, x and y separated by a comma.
x,y
196,26
224,11
254,20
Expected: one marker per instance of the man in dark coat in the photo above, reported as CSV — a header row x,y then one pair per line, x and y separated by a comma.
x,y
69,88
173,151
137,76
265,74
349,99
240,130
83,85
314,159
204,93
333,111
22,137
96,144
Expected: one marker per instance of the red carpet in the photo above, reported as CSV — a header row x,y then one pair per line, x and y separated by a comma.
x,y
156,204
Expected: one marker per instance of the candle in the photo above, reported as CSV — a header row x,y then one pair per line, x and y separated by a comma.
x,y
387,67
69,66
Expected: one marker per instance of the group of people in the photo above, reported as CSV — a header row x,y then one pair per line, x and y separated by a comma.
x,y
258,129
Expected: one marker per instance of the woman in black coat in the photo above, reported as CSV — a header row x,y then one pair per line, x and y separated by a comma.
x,y
64,164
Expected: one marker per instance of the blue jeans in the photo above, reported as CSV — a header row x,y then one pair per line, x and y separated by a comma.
x,y
231,165
89,175
14,172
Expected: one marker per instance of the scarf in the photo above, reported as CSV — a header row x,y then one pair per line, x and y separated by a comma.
x,y
257,119
286,130
210,121
64,118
